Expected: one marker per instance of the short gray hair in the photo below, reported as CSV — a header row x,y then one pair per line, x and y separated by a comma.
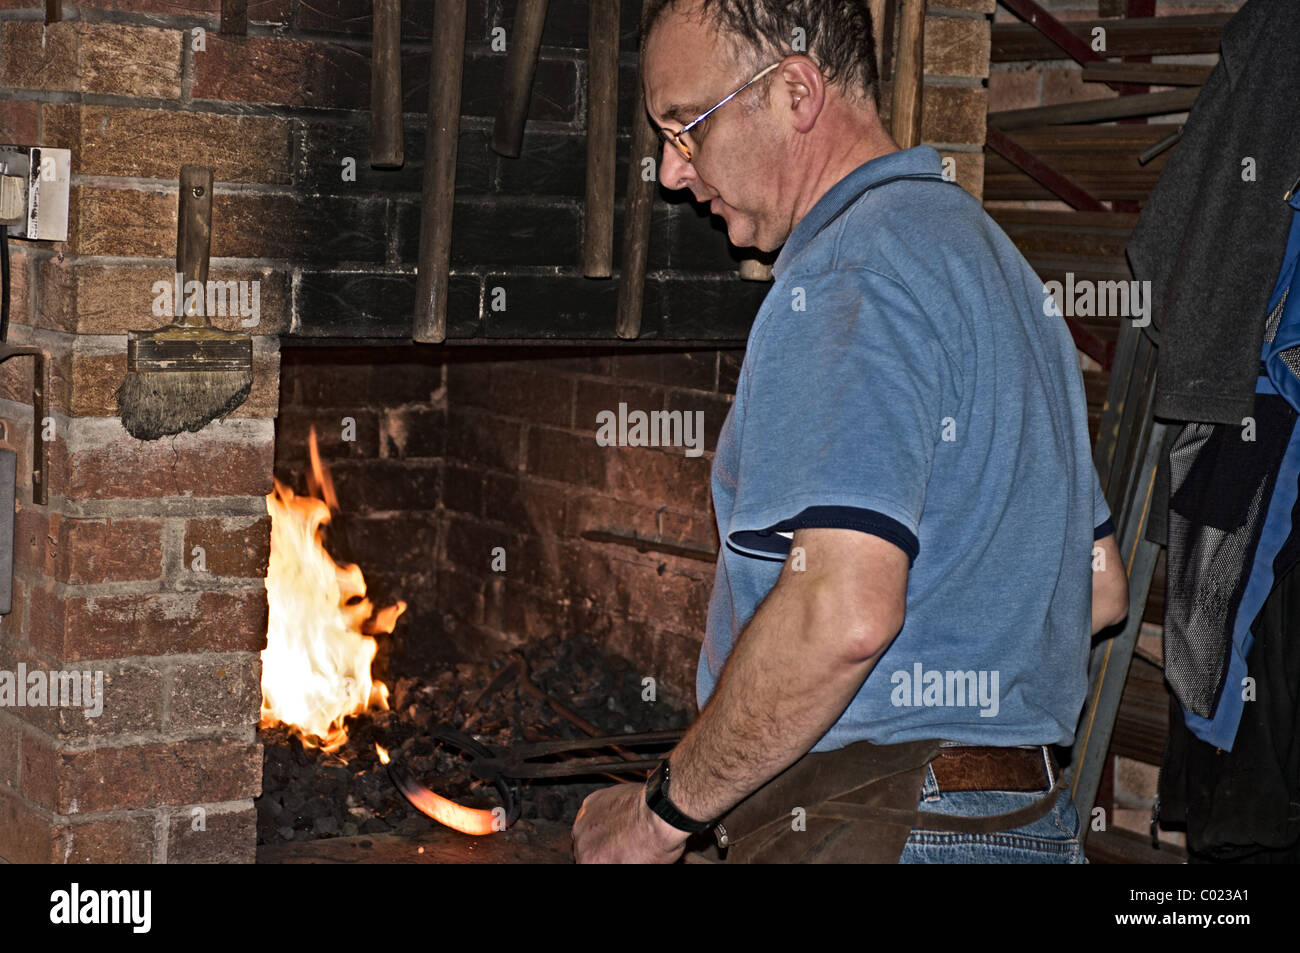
x,y
838,35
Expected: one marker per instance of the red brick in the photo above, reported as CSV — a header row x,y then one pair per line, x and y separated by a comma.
x,y
140,776
468,547
595,397
515,611
155,143
161,623
103,462
602,513
133,702
488,442
130,61
231,547
566,457
10,741
108,550
956,46
92,58
35,541
113,299
526,504
26,835
122,222
510,391
282,71
216,693
44,718
121,840
656,477
956,114
226,838
36,56
20,122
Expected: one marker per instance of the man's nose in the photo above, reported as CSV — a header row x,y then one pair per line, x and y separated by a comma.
x,y
674,171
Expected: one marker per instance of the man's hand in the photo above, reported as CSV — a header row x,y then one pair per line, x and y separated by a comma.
x,y
614,826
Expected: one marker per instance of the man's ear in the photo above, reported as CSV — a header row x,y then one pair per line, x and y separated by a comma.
x,y
800,92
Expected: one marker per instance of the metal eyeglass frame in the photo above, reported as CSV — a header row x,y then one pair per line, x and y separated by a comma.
x,y
675,137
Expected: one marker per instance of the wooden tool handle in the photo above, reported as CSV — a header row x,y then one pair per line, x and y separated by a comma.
x,y
521,64
234,17
386,150
909,76
194,240
439,187
638,205
602,132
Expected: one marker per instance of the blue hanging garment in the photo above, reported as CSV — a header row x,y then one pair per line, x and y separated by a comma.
x,y
1232,523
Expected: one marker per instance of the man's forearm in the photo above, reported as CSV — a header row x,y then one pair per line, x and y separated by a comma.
x,y
786,682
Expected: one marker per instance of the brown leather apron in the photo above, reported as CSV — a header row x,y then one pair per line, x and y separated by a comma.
x,y
855,805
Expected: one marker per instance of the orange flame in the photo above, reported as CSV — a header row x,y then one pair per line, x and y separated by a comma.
x,y
316,665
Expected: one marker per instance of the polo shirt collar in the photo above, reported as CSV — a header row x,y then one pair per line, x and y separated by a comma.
x,y
905,161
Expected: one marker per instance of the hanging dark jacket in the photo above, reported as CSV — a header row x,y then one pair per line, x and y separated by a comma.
x,y
1210,241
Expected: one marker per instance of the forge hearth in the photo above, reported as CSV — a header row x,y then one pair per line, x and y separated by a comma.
x,y
309,795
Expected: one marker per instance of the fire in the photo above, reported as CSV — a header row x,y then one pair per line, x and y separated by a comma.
x,y
319,645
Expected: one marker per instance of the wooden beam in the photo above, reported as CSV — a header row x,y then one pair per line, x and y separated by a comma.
x,y
1096,110
1151,74
1145,36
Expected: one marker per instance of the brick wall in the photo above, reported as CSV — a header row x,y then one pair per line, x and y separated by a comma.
x,y
458,450
147,563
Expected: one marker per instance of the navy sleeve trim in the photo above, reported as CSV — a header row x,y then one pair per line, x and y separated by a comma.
x,y
1104,530
768,541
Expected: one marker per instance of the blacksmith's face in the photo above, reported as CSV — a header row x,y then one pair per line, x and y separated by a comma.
x,y
737,151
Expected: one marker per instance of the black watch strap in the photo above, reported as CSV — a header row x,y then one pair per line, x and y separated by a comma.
x,y
656,798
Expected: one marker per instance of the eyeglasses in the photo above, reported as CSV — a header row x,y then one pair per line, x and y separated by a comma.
x,y
683,146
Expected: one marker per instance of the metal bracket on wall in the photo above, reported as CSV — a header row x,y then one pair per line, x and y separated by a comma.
x,y
39,470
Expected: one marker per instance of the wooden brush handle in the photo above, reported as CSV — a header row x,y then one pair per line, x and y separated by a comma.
x,y
386,147
194,237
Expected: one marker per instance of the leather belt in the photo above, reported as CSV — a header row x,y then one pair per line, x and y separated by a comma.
x,y
974,768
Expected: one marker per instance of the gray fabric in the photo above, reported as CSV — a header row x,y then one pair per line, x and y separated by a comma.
x,y
1211,244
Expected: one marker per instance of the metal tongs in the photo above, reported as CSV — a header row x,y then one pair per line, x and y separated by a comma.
x,y
528,761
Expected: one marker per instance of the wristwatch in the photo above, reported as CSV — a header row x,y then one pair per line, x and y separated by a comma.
x,y
656,798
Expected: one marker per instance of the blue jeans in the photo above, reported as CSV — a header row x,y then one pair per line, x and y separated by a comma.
x,y
1052,839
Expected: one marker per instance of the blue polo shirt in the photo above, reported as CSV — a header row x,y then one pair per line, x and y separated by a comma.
x,y
904,378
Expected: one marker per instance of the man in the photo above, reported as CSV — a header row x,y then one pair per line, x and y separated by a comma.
x,y
904,483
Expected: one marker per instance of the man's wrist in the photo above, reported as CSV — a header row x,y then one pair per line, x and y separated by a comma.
x,y
665,835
